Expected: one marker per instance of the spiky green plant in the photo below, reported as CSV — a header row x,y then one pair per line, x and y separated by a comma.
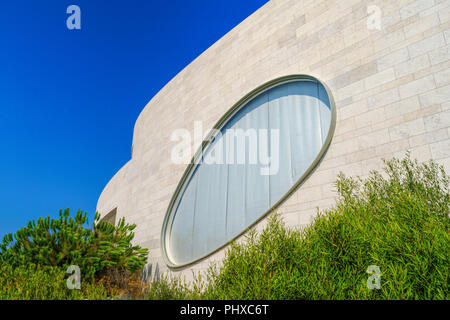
x,y
67,241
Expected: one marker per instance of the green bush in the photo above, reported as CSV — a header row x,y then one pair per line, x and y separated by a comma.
x,y
174,288
43,283
67,241
398,221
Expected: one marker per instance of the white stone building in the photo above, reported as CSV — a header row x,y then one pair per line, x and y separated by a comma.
x,y
385,63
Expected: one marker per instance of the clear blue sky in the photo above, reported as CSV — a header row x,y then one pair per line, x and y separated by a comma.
x,y
69,98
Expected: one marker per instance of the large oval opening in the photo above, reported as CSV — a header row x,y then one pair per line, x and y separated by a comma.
x,y
262,150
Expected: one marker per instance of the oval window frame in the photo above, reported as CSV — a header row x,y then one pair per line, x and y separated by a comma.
x,y
184,181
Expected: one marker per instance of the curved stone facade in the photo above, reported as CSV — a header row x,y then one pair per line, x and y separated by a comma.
x,y
391,89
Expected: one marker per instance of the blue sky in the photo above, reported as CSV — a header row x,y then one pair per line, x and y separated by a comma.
x,y
69,98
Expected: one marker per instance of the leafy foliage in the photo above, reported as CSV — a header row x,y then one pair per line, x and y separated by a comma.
x,y
66,241
175,288
43,283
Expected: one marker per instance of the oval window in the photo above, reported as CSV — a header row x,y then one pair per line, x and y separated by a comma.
x,y
261,151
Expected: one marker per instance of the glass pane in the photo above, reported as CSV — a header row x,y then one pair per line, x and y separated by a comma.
x,y
288,124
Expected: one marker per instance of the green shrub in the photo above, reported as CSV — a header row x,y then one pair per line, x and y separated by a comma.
x,y
43,283
66,241
174,288
398,221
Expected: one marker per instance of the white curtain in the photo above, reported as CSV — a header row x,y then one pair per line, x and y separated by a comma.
x,y
222,199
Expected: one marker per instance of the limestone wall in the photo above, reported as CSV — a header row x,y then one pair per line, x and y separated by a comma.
x,y
391,88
